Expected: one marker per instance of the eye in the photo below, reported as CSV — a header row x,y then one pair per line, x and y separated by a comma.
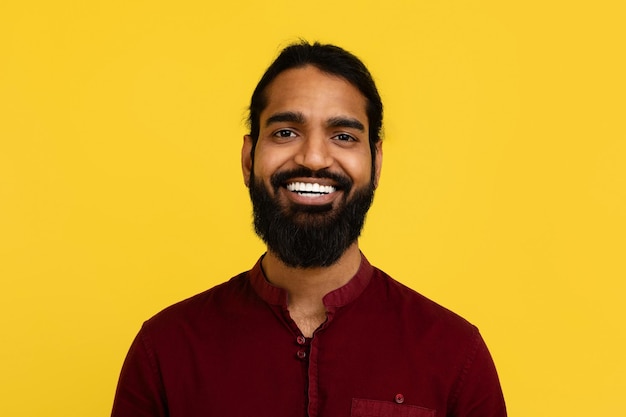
x,y
285,133
344,137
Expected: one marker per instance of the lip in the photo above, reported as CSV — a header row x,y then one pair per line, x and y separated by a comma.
x,y
313,180
308,200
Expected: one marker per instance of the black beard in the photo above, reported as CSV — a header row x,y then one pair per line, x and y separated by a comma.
x,y
309,236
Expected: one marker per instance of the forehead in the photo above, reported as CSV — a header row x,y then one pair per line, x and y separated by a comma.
x,y
314,93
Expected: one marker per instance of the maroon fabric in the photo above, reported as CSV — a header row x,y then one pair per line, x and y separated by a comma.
x,y
233,350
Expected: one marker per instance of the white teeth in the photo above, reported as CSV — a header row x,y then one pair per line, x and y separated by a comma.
x,y
307,187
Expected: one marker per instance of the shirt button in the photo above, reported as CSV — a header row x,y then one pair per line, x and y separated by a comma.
x,y
399,398
301,340
301,354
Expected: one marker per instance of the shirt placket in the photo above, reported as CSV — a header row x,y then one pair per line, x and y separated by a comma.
x,y
303,354
313,378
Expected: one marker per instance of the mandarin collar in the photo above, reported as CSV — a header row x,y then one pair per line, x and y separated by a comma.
x,y
336,298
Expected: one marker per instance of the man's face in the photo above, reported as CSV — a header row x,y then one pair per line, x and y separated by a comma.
x,y
311,179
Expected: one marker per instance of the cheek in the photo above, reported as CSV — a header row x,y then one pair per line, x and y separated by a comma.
x,y
358,167
267,161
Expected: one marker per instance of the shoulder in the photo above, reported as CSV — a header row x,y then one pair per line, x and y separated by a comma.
x,y
432,330
202,307
417,309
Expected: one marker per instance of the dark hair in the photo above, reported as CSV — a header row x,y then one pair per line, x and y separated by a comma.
x,y
330,59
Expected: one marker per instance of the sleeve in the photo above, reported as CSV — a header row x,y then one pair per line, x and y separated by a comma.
x,y
140,391
478,392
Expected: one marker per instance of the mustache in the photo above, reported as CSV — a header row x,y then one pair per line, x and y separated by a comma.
x,y
280,178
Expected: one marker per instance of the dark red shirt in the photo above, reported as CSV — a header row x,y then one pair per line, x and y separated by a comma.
x,y
233,351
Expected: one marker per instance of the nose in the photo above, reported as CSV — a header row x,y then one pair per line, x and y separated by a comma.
x,y
314,153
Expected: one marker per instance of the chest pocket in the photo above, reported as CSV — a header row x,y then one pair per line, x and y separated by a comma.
x,y
373,408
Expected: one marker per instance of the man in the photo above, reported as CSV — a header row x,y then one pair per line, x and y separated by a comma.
x,y
313,329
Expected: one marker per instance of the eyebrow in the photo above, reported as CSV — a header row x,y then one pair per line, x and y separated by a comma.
x,y
297,117
287,116
346,122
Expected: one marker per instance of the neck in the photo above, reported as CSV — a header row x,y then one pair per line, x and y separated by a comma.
x,y
306,287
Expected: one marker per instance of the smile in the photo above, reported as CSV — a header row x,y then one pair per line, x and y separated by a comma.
x,y
307,189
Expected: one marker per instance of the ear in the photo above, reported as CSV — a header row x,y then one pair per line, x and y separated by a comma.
x,y
378,162
246,159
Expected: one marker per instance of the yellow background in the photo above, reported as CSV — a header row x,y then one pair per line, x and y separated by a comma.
x,y
503,194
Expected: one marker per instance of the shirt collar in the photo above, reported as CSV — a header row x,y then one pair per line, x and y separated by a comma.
x,y
336,298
